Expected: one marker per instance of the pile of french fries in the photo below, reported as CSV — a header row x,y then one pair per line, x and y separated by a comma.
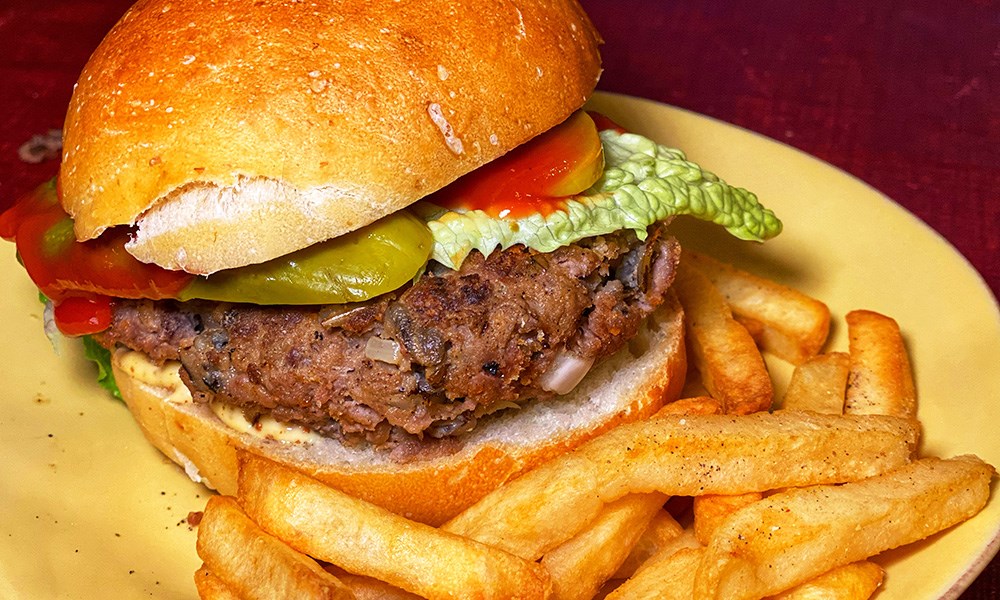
x,y
725,494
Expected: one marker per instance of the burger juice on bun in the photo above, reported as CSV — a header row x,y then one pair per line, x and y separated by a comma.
x,y
382,243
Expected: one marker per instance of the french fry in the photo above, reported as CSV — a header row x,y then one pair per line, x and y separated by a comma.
x,y
684,455
881,380
856,581
755,328
254,564
783,320
667,576
368,540
712,509
819,384
582,565
686,539
663,530
725,354
693,387
369,588
211,587
793,536
699,405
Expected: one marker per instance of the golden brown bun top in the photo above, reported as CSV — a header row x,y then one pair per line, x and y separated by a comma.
x,y
234,131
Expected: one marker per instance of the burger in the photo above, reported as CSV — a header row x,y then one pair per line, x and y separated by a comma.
x,y
381,242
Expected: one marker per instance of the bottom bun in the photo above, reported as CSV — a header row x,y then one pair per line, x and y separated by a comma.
x,y
630,385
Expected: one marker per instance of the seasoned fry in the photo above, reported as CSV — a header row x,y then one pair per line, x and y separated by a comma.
x,y
580,566
712,509
730,364
254,564
881,380
784,321
856,581
819,384
793,536
667,576
211,587
683,456
365,539
663,529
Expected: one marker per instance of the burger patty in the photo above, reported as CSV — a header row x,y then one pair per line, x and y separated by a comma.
x,y
424,363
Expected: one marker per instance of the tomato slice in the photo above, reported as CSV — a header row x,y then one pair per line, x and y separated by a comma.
x,y
603,122
37,201
534,177
60,266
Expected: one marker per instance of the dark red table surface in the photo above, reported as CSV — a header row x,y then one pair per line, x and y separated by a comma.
x,y
904,95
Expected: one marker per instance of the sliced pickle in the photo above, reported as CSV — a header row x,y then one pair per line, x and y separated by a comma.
x,y
354,267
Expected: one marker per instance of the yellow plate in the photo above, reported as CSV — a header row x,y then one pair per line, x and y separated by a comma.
x,y
89,510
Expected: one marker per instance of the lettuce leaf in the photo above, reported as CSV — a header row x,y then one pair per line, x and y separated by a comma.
x,y
643,182
101,357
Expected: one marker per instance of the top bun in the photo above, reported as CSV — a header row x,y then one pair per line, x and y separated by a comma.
x,y
236,131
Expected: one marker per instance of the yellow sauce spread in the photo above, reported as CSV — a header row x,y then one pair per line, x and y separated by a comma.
x,y
266,427
166,377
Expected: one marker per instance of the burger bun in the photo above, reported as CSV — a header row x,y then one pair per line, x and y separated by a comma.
x,y
238,131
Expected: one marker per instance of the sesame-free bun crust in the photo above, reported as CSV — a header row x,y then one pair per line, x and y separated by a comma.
x,y
631,385
236,131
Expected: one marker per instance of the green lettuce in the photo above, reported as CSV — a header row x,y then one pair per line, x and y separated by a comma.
x,y
643,182
101,357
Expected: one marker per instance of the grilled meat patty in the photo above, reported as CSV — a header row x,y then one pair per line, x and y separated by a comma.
x,y
423,363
